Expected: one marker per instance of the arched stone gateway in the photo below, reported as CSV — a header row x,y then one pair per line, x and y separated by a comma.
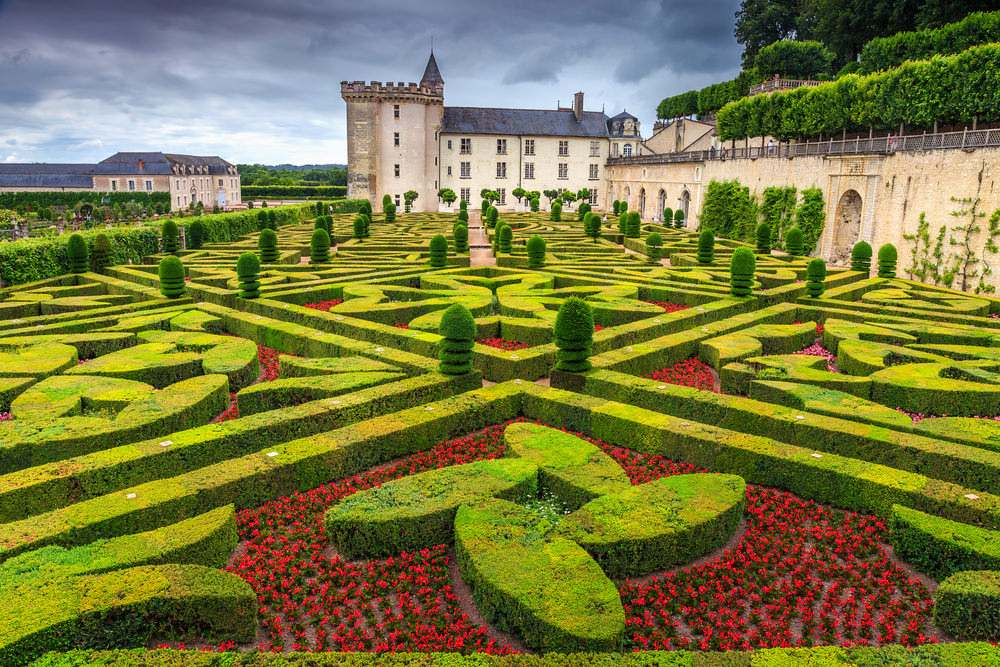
x,y
847,226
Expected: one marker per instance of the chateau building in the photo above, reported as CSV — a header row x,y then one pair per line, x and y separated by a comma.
x,y
188,178
402,137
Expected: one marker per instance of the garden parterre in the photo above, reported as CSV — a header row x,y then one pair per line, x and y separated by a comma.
x,y
293,472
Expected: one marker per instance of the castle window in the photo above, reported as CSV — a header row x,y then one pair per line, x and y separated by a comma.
x,y
395,138
595,149
220,182
449,144
501,170
397,201
593,172
529,146
563,170
395,168
435,160
149,186
503,196
563,148
593,196
501,146
131,185
466,170
614,150
529,170
395,111
449,170
465,146
627,151
464,194
114,185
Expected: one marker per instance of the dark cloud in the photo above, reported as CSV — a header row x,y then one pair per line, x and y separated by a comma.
x,y
259,81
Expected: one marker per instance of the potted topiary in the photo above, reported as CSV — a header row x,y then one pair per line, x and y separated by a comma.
x,y
654,247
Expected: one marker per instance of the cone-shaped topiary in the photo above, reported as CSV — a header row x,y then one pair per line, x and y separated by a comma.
x,y
861,257
463,216
668,216
815,275
195,235
556,213
484,208
764,238
622,222
492,214
102,252
248,274
267,243
366,208
622,206
171,273
319,224
582,210
461,235
359,227
632,226
319,208
536,252
506,235
678,218
793,241
592,226
463,206
386,201
887,261
170,238
616,207
574,333
328,224
654,247
390,212
76,249
458,329
741,272
319,247
706,247
534,204
439,251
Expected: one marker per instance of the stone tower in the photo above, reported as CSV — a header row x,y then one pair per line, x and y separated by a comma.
x,y
392,138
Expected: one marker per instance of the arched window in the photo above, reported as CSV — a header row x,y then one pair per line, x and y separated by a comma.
x,y
627,151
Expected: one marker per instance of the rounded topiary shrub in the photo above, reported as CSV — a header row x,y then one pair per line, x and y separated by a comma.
x,y
815,275
706,247
678,218
574,334
461,235
170,238
390,212
272,220
248,274
861,257
195,235
622,222
654,247
319,247
439,251
622,206
463,216
668,216
386,201
616,207
764,238
556,213
485,207
592,226
102,252
359,227
328,224
534,204
793,241
536,252
632,226
458,331
267,243
582,210
506,235
171,273
366,208
887,261
464,206
742,268
76,249
492,214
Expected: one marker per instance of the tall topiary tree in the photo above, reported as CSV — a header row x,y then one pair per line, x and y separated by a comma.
x,y
359,227
654,247
261,219
267,243
506,235
793,241
195,235
386,200
534,204
622,206
170,238
742,268
320,209
582,210
439,251
536,252
861,257
887,261
171,273
102,252
328,224
764,238
485,206
706,247
458,331
461,235
366,208
76,249
463,205
815,275
592,226
632,226
668,216
492,214
556,213
463,217
616,207
248,275
319,247
272,219
574,334
390,212
622,221
678,218
367,218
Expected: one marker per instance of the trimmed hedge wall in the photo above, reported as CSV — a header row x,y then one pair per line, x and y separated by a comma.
x,y
967,605
939,547
56,198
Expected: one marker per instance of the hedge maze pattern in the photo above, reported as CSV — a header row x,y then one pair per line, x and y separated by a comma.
x,y
292,470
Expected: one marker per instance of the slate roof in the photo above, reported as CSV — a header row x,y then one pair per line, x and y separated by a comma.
x,y
620,118
45,180
432,75
51,175
477,120
157,163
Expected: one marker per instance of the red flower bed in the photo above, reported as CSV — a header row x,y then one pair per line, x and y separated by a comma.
x,y
503,344
268,360
401,325
598,327
325,306
688,373
667,306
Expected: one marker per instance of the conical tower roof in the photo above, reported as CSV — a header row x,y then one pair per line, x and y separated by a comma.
x,y
432,75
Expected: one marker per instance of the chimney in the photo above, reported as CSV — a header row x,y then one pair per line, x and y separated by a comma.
x,y
140,164
578,107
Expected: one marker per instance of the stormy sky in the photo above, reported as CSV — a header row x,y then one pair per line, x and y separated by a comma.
x,y
258,81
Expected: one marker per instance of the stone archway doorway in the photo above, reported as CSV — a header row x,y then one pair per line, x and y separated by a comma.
x,y
686,206
846,227
661,204
642,204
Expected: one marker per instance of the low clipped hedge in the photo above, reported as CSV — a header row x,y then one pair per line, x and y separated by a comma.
x,y
296,191
967,605
286,392
939,547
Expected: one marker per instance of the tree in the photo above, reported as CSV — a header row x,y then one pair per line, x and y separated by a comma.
x,y
887,261
76,249
319,247
592,225
267,244
386,200
439,251
668,216
861,257
534,204
102,252
815,275
461,236
582,210
793,242
568,196
448,196
632,227
556,213
654,247
616,207
195,235
492,214
763,22
390,212
574,334
536,252
742,267
794,59
679,218
170,238
706,247
583,194
409,197
248,275
171,274
519,194
458,337
550,194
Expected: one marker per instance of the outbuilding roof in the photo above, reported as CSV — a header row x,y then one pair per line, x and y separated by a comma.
x,y
539,122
